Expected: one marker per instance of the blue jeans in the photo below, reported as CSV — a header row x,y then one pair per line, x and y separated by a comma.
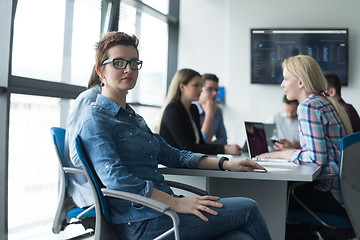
x,y
239,218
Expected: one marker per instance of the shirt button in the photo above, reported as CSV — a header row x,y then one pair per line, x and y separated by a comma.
x,y
130,134
129,223
162,184
151,156
155,171
150,141
129,115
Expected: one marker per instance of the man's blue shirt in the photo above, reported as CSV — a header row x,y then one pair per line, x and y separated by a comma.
x,y
219,130
126,153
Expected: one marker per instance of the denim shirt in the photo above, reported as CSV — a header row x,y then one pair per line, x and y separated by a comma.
x,y
125,154
84,197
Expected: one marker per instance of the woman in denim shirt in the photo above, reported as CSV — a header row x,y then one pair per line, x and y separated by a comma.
x,y
125,154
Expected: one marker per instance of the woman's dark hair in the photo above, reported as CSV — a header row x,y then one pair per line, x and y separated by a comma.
x,y
109,40
94,78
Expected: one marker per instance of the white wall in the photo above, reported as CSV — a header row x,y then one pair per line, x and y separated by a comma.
x,y
215,37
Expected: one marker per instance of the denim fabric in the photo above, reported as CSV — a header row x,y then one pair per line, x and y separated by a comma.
x,y
240,218
125,154
84,197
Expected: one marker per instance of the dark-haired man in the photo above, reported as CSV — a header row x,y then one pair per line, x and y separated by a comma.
x,y
334,90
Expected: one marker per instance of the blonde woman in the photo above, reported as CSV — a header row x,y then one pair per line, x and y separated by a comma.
x,y
180,122
322,123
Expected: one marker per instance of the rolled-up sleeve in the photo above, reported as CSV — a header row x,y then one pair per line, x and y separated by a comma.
x,y
101,149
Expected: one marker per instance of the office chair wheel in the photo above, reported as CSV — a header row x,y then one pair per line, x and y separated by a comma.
x,y
301,231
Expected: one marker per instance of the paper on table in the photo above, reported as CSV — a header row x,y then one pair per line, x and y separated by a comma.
x,y
276,163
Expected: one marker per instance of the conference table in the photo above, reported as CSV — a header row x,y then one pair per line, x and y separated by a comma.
x,y
269,189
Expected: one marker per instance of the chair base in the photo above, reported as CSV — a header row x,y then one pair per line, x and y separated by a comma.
x,y
300,231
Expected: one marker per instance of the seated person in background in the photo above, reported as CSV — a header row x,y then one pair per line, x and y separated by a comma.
x,y
125,155
287,126
322,123
211,118
180,121
77,181
334,90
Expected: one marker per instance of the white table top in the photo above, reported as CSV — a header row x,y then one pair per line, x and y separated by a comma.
x,y
277,170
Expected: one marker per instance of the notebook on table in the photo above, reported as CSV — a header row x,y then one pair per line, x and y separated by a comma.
x,y
259,140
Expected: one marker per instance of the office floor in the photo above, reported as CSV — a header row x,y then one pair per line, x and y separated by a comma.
x,y
43,232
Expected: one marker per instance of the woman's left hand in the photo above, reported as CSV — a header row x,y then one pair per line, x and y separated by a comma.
x,y
197,205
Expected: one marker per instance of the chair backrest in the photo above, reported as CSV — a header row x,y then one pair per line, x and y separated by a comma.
x,y
350,178
58,135
64,202
95,183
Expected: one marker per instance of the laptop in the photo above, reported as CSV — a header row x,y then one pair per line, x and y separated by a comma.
x,y
259,138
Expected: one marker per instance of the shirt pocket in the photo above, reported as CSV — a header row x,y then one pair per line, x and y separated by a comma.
x,y
130,140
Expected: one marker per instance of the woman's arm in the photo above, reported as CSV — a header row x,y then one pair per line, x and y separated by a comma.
x,y
243,165
314,149
96,136
187,205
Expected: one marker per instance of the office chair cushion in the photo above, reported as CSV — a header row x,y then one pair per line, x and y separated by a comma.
x,y
338,221
72,213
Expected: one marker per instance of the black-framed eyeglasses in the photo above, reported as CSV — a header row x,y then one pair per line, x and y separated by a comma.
x,y
120,63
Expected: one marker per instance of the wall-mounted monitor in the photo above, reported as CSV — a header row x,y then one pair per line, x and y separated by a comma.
x,y
269,47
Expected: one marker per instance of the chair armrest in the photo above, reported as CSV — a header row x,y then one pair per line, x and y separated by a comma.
x,y
151,203
306,208
148,202
187,187
73,170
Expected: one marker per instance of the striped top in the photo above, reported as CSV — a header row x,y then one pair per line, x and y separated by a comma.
x,y
321,130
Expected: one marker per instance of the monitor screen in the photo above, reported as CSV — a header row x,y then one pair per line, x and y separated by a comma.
x,y
269,47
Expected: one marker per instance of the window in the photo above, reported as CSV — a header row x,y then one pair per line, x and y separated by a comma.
x,y
33,170
153,37
38,43
52,57
160,5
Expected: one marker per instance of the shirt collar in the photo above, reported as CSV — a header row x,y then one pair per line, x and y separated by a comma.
x,y
198,106
110,106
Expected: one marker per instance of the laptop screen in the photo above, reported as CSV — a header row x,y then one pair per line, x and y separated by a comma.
x,y
256,138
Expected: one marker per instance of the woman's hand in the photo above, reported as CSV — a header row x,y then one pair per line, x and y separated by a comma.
x,y
243,165
282,154
197,205
283,143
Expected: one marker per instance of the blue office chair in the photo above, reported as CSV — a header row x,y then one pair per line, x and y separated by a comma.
x,y
104,229
350,178
67,212
330,225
